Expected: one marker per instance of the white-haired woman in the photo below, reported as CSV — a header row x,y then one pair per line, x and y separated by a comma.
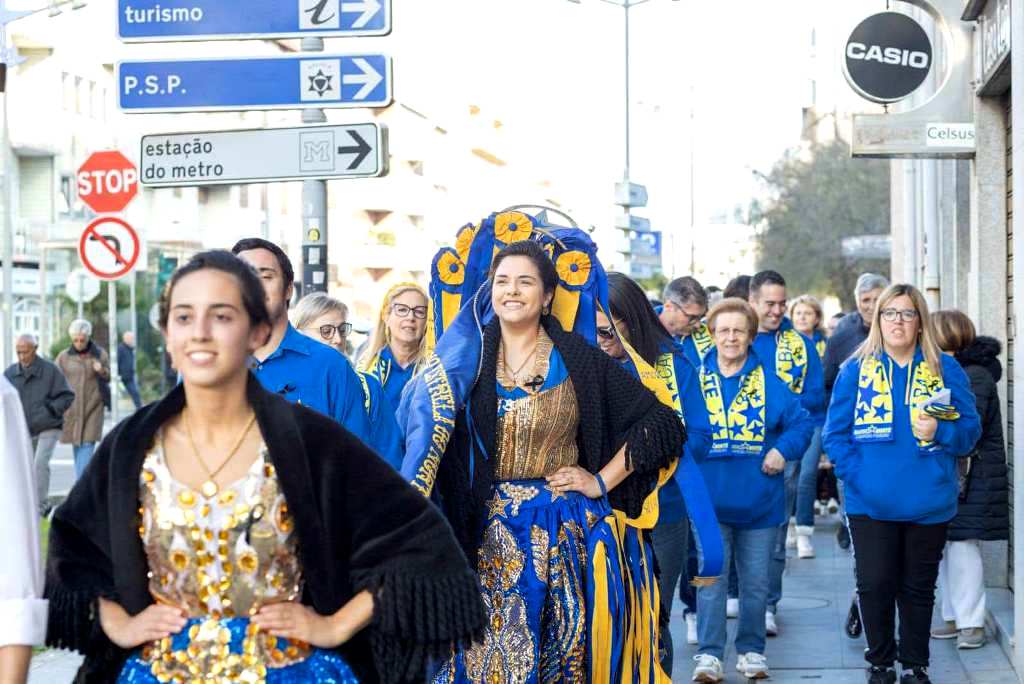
x,y
399,339
86,366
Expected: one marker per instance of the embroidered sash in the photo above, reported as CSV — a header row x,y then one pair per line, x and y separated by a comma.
x,y
791,359
740,431
873,413
702,340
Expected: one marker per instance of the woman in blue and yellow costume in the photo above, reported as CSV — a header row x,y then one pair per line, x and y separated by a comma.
x,y
634,336
223,534
547,456
398,343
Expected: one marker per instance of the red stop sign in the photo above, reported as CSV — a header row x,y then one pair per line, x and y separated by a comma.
x,y
107,182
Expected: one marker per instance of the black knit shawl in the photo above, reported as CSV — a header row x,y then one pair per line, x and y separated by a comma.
x,y
359,526
615,409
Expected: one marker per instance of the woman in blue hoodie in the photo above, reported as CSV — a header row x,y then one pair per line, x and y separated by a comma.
x,y
897,457
757,424
634,323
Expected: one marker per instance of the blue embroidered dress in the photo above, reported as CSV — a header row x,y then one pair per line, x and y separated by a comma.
x,y
218,559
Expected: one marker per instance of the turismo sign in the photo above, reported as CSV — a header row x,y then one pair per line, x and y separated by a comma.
x,y
167,20
888,57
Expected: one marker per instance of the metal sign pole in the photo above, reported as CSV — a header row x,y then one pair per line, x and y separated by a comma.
x,y
81,299
112,344
314,208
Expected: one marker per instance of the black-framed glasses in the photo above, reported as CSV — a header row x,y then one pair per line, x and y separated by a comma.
x,y
905,315
403,311
606,332
327,331
690,318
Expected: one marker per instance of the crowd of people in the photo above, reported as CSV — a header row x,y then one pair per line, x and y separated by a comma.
x,y
262,522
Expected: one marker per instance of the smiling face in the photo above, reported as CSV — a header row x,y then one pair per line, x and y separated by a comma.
x,y
608,336
866,303
900,335
407,318
732,336
517,294
209,334
805,318
272,277
770,306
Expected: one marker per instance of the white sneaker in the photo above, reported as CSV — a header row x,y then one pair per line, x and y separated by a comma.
x,y
708,670
732,608
771,627
804,547
691,629
819,509
753,666
833,506
791,535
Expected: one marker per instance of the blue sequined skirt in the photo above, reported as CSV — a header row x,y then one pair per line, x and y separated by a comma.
x,y
233,651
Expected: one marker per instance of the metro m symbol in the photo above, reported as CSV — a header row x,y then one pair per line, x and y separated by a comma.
x,y
316,151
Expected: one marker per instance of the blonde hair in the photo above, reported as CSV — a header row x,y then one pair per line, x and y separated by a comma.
x,y
954,331
315,305
381,338
811,301
734,305
874,345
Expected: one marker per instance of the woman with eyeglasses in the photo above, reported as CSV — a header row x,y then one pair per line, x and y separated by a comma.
x,y
757,424
634,323
902,412
323,318
398,342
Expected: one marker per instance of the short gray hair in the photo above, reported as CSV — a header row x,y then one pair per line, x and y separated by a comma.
x,y
315,305
28,337
80,326
685,290
867,282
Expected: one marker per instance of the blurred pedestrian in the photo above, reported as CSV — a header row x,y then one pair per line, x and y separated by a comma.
x,y
23,608
292,365
805,312
792,358
983,505
85,365
399,340
682,314
738,287
902,412
126,367
830,326
323,318
45,397
715,295
758,424
307,558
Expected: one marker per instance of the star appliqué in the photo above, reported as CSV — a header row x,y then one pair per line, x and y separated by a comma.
x,y
320,83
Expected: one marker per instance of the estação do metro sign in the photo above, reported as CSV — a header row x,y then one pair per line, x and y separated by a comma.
x,y
888,57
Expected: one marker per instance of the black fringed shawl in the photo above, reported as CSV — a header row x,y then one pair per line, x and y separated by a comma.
x,y
359,525
614,409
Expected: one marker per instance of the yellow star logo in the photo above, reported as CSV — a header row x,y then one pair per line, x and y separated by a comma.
x,y
498,506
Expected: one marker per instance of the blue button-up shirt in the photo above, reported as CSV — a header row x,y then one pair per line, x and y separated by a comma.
x,y
304,371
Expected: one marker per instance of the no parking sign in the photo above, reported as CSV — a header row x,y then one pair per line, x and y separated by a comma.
x,y
109,248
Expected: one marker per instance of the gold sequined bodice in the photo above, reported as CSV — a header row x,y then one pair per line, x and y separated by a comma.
x,y
219,557
537,433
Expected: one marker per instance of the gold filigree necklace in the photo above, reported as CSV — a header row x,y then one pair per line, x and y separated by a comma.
x,y
210,488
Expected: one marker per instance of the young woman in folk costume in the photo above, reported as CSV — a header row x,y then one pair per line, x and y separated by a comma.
x,y
554,451
224,533
399,341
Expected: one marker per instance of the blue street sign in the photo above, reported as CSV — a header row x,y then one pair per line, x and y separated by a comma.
x,y
290,82
167,20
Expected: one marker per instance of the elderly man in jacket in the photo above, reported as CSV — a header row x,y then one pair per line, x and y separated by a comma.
x,y
45,396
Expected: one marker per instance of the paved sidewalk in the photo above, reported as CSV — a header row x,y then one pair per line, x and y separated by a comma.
x,y
812,646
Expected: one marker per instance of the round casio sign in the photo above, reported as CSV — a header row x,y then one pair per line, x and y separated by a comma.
x,y
888,56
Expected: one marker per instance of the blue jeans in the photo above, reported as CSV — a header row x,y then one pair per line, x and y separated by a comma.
x,y
83,454
132,388
670,540
778,563
807,482
751,550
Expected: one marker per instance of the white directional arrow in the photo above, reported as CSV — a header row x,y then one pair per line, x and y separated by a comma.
x,y
367,8
369,79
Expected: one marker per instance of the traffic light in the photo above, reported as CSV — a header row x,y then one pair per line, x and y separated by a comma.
x,y
165,269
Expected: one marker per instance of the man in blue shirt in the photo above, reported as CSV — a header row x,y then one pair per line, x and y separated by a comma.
x,y
293,365
792,357
686,305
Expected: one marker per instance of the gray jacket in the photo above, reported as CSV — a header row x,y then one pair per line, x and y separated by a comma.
x,y
45,394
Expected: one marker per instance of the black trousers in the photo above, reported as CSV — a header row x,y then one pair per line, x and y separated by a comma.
x,y
897,565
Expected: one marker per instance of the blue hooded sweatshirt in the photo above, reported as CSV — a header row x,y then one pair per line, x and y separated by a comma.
x,y
898,480
745,497
813,396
